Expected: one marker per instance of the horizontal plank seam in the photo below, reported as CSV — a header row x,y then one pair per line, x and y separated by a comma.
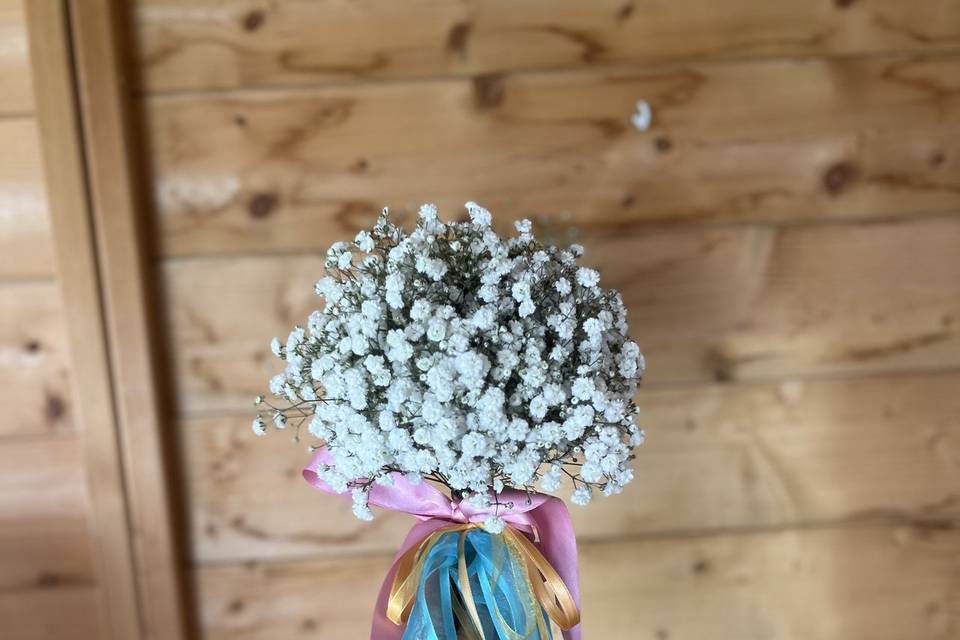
x,y
83,584
26,438
944,524
917,216
7,116
657,66
27,280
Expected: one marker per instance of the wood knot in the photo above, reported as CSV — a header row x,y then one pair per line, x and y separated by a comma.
x,y
488,90
624,12
254,19
843,4
701,567
457,39
662,144
54,407
236,606
32,346
838,177
262,205
360,166
47,580
937,158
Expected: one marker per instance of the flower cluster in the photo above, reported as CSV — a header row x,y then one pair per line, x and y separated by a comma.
x,y
452,354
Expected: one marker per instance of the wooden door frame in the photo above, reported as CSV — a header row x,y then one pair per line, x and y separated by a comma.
x,y
98,222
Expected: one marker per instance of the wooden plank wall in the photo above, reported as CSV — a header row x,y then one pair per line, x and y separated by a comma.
x,y
786,236
48,586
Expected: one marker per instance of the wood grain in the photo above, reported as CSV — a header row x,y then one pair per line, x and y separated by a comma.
x,y
190,44
48,614
119,221
61,142
17,95
882,583
718,457
293,170
34,379
738,303
24,226
43,525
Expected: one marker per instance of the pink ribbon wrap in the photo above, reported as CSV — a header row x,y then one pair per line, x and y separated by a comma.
x,y
546,515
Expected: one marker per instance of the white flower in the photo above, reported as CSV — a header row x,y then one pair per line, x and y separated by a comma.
x,y
494,524
276,348
538,407
428,213
451,353
394,286
436,330
364,241
478,215
581,496
360,505
587,277
582,388
526,308
552,478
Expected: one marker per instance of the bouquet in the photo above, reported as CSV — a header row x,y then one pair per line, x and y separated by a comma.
x,y
454,375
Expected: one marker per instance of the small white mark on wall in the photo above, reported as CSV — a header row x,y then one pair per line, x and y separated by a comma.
x,y
643,116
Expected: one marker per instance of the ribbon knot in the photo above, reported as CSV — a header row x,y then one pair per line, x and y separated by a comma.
x,y
550,559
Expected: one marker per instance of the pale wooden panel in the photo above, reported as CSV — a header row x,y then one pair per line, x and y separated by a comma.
x,y
53,65
125,277
17,95
724,303
722,456
188,44
24,229
34,385
259,171
43,531
882,583
51,614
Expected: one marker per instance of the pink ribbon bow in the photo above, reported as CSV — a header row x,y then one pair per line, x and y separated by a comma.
x,y
546,515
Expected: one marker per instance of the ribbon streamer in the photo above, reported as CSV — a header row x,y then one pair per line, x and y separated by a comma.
x,y
512,575
448,530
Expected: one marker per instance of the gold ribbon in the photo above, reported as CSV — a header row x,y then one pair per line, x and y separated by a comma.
x,y
546,586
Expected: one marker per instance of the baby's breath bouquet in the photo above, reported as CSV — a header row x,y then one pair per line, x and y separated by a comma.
x,y
488,366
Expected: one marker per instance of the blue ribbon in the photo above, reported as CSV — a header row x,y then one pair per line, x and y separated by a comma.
x,y
500,588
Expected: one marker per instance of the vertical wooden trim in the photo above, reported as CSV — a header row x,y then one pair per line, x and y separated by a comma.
x,y
80,289
119,222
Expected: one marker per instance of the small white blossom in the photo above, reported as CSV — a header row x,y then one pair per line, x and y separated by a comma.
x,y
551,479
361,508
581,496
478,215
259,427
494,524
364,241
276,348
587,277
